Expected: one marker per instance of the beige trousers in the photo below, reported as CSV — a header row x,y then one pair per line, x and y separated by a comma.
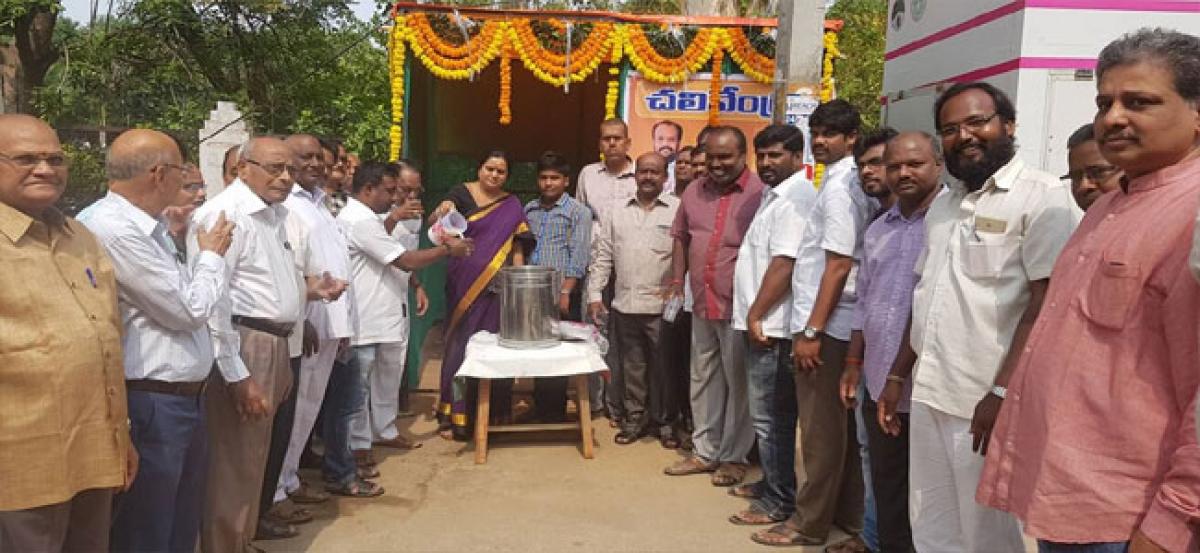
x,y
238,449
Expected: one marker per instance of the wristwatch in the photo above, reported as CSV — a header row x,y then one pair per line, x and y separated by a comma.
x,y
811,333
1000,391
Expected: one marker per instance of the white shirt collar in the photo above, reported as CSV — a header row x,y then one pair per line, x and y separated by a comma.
x,y
142,220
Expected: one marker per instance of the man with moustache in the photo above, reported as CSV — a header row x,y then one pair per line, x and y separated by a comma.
x,y
892,244
167,350
1090,175
63,409
868,157
684,174
635,247
667,137
251,325
823,299
761,306
709,227
1096,447
991,242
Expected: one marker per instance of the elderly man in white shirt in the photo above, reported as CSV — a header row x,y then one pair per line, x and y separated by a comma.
x,y
378,262
761,307
251,324
167,351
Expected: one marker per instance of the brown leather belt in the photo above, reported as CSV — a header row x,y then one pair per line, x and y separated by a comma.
x,y
186,389
282,330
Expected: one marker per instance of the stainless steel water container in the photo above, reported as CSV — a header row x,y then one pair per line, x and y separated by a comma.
x,y
528,307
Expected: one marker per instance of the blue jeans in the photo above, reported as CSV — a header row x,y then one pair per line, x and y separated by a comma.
x,y
773,414
343,398
162,510
1100,547
870,533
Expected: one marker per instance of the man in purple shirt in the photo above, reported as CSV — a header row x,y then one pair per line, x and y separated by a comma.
x,y
712,220
885,287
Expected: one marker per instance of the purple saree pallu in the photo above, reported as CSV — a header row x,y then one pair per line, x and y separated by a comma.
x,y
472,305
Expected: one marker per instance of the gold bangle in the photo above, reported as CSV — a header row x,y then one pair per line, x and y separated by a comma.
x,y
896,379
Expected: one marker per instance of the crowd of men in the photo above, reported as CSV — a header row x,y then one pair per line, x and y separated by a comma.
x,y
955,359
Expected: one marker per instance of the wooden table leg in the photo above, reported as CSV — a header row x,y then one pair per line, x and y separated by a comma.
x,y
482,413
585,414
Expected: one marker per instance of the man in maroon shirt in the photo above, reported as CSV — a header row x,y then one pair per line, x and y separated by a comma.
x,y
714,214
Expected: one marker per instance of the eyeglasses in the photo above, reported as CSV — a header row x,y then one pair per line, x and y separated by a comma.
x,y
29,161
194,186
1094,173
972,124
275,169
181,168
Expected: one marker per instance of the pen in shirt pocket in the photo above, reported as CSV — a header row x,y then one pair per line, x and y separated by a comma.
x,y
91,276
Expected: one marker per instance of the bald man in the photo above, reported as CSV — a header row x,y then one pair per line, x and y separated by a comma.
x,y
64,441
168,355
251,326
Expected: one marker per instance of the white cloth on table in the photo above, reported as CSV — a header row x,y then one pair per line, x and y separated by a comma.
x,y
486,358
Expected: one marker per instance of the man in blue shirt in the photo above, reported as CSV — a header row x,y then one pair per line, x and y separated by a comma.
x,y
563,227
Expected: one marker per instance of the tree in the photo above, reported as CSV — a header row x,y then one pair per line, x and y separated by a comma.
x,y
862,41
27,27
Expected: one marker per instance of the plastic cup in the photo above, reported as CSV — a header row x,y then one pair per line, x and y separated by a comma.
x,y
450,224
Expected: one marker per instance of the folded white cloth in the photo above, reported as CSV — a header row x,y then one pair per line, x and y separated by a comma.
x,y
486,358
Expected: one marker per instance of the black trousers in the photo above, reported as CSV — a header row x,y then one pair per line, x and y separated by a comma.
x,y
639,339
889,480
281,432
550,394
670,404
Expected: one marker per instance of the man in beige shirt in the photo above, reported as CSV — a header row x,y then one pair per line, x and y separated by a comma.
x,y
635,240
64,434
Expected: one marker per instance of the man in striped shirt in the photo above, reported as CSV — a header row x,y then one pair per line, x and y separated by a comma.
x,y
563,227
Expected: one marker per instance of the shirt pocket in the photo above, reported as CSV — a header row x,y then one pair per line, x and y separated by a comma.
x,y
661,242
984,254
1113,293
22,322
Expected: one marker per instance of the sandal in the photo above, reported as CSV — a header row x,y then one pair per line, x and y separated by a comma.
x,y
669,441
307,494
288,512
781,535
399,442
729,474
626,437
752,490
356,488
754,516
850,545
365,473
691,465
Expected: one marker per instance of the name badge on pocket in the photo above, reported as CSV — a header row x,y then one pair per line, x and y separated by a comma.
x,y
987,224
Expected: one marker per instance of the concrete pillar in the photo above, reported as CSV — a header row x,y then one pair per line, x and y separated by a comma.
x,y
212,150
799,51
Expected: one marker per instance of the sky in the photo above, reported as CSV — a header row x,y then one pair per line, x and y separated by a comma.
x,y
80,10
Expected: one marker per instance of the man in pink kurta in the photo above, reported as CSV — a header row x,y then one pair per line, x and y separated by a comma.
x,y
1096,443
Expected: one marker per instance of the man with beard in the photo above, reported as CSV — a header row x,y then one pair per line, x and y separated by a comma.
x,y
1096,449
635,248
868,156
991,242
713,217
1090,175
823,299
885,285
761,305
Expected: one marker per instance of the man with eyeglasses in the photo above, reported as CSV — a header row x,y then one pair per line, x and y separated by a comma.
x,y
1089,174
250,325
991,241
63,411
168,352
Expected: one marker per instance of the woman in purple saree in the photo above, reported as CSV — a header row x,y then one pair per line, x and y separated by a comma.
x,y
497,225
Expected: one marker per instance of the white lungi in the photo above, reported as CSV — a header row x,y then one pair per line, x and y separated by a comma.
x,y
310,392
943,475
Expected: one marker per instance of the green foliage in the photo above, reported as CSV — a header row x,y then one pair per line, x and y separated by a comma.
x,y
86,182
11,10
860,73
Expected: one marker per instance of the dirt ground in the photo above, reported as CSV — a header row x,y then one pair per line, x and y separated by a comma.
x,y
536,493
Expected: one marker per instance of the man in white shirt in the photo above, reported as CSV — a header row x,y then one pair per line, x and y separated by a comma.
x,y
822,306
378,262
991,242
167,351
250,325
761,307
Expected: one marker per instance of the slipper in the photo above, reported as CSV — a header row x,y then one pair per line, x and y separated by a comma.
x,y
754,516
288,512
747,491
669,441
399,442
729,474
626,437
367,472
356,488
691,465
309,495
269,529
782,536
849,545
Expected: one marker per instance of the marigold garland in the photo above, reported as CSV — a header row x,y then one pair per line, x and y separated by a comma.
x,y
549,66
438,56
396,132
828,92
714,93
753,63
661,69
506,86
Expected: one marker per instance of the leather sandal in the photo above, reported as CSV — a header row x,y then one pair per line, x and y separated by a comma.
x,y
691,465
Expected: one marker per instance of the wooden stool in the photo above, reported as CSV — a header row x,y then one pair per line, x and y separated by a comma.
x,y
483,411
